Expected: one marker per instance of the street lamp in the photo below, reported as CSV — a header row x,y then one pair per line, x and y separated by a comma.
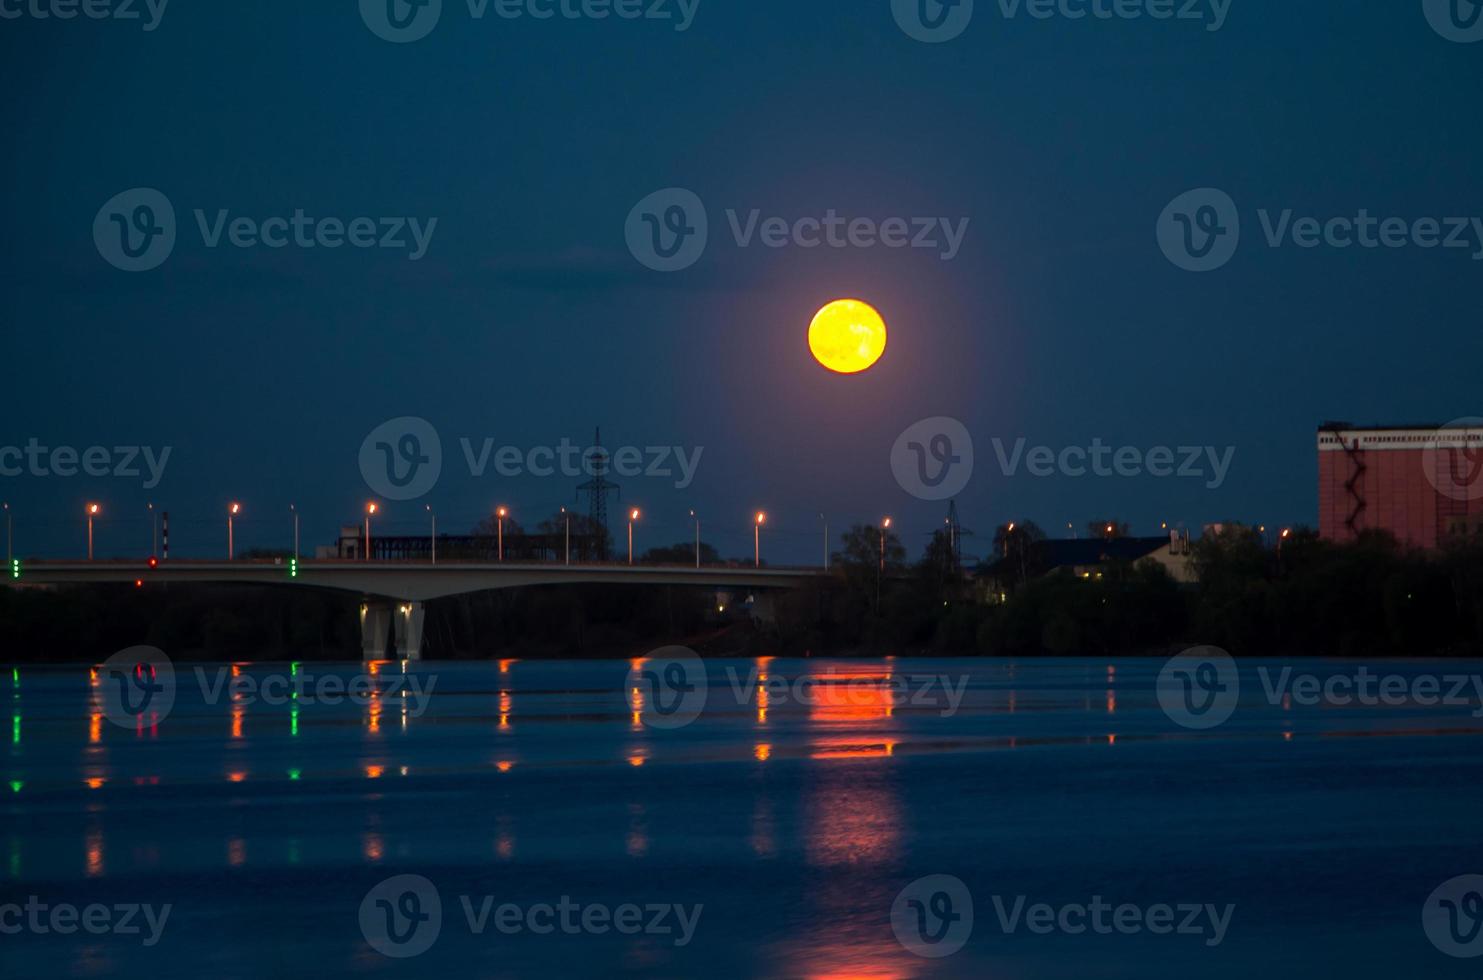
x,y
757,539
370,509
499,514
154,531
232,511
294,510
9,555
92,510
825,520
697,537
881,568
633,515
566,516
433,541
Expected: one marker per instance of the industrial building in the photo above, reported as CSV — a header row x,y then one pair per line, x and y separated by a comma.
x,y
1422,483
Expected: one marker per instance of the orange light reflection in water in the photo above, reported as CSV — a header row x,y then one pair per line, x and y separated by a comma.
x,y
851,819
95,852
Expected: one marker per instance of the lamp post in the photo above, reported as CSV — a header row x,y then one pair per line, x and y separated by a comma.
x,y
825,520
9,552
696,519
370,509
633,515
566,517
757,539
154,531
499,515
433,540
232,511
294,510
92,510
881,568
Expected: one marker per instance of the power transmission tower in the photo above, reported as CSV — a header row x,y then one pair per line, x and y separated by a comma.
x,y
597,490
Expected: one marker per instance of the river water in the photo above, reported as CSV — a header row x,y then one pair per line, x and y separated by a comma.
x,y
818,818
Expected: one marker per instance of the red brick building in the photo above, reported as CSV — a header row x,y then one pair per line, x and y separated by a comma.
x,y
1422,483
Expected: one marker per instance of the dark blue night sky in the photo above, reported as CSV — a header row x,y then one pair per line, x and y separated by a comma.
x,y
528,321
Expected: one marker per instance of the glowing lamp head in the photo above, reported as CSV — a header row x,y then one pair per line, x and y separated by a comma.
x,y
92,509
371,507
761,517
847,336
234,509
502,512
633,515
886,523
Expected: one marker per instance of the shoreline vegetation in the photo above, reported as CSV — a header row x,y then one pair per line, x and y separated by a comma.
x,y
1305,597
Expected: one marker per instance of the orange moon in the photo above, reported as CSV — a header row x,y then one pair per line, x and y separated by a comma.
x,y
847,336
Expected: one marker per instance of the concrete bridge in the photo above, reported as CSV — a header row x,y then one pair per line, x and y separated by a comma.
x,y
393,591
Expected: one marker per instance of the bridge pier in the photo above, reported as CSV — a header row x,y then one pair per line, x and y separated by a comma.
x,y
375,628
408,622
764,609
381,622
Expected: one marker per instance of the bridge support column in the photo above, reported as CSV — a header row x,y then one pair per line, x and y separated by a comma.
x,y
764,609
375,629
409,630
